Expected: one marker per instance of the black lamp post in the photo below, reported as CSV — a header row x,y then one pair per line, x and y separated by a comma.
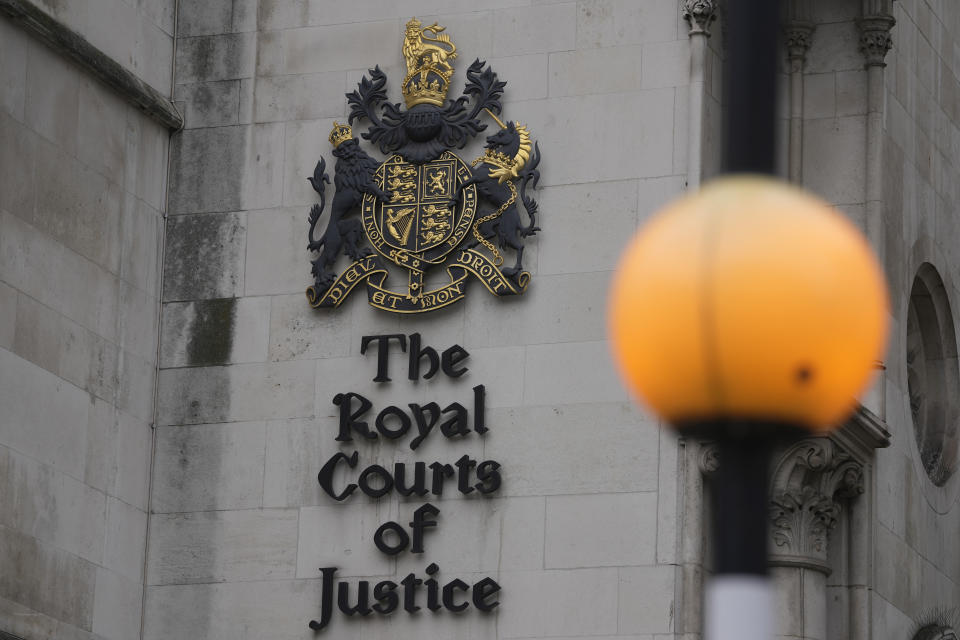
x,y
747,313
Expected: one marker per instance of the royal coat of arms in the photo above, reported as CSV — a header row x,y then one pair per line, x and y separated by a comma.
x,y
424,207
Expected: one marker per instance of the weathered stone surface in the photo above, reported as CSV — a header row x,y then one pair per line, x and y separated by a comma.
x,y
207,169
52,102
39,412
666,64
267,271
212,332
59,584
216,57
117,606
204,256
224,611
833,163
51,506
239,392
600,530
647,599
38,336
297,331
210,104
13,71
606,23
591,71
555,603
547,450
18,153
548,381
299,97
512,34
125,540
101,142
224,546
343,534
78,207
8,316
218,467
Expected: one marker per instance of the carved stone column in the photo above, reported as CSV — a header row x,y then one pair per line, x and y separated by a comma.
x,y
699,14
798,34
821,486
876,21
812,480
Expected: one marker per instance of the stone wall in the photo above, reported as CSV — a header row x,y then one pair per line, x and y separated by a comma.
x,y
82,188
582,534
917,560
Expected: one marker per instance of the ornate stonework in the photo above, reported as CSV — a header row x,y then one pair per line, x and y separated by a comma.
x,y
797,37
811,479
699,14
936,632
875,40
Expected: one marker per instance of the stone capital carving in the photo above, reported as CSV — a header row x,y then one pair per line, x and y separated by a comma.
x,y
875,40
699,14
797,37
811,480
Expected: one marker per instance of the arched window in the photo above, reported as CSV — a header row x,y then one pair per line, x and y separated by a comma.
x,y
932,375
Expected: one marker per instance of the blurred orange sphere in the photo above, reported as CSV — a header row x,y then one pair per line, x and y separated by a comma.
x,y
749,300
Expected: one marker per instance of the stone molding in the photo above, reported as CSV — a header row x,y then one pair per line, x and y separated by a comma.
x,y
71,44
811,480
797,37
798,29
699,14
875,40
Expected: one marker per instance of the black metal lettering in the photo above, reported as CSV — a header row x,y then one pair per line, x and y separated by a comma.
x,y
419,486
417,354
364,481
489,476
440,471
464,466
386,591
420,522
386,431
458,424
325,477
383,349
391,549
479,409
448,601
363,594
423,424
451,358
483,590
326,599
433,599
410,584
349,420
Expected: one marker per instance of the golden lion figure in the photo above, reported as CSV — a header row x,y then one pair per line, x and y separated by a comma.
x,y
424,53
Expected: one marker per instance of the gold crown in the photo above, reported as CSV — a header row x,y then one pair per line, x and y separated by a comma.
x,y
428,66
340,133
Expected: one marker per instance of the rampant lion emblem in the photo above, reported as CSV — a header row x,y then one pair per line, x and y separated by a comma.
x,y
424,207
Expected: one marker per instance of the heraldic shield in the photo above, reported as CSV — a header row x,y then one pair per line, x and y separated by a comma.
x,y
423,207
